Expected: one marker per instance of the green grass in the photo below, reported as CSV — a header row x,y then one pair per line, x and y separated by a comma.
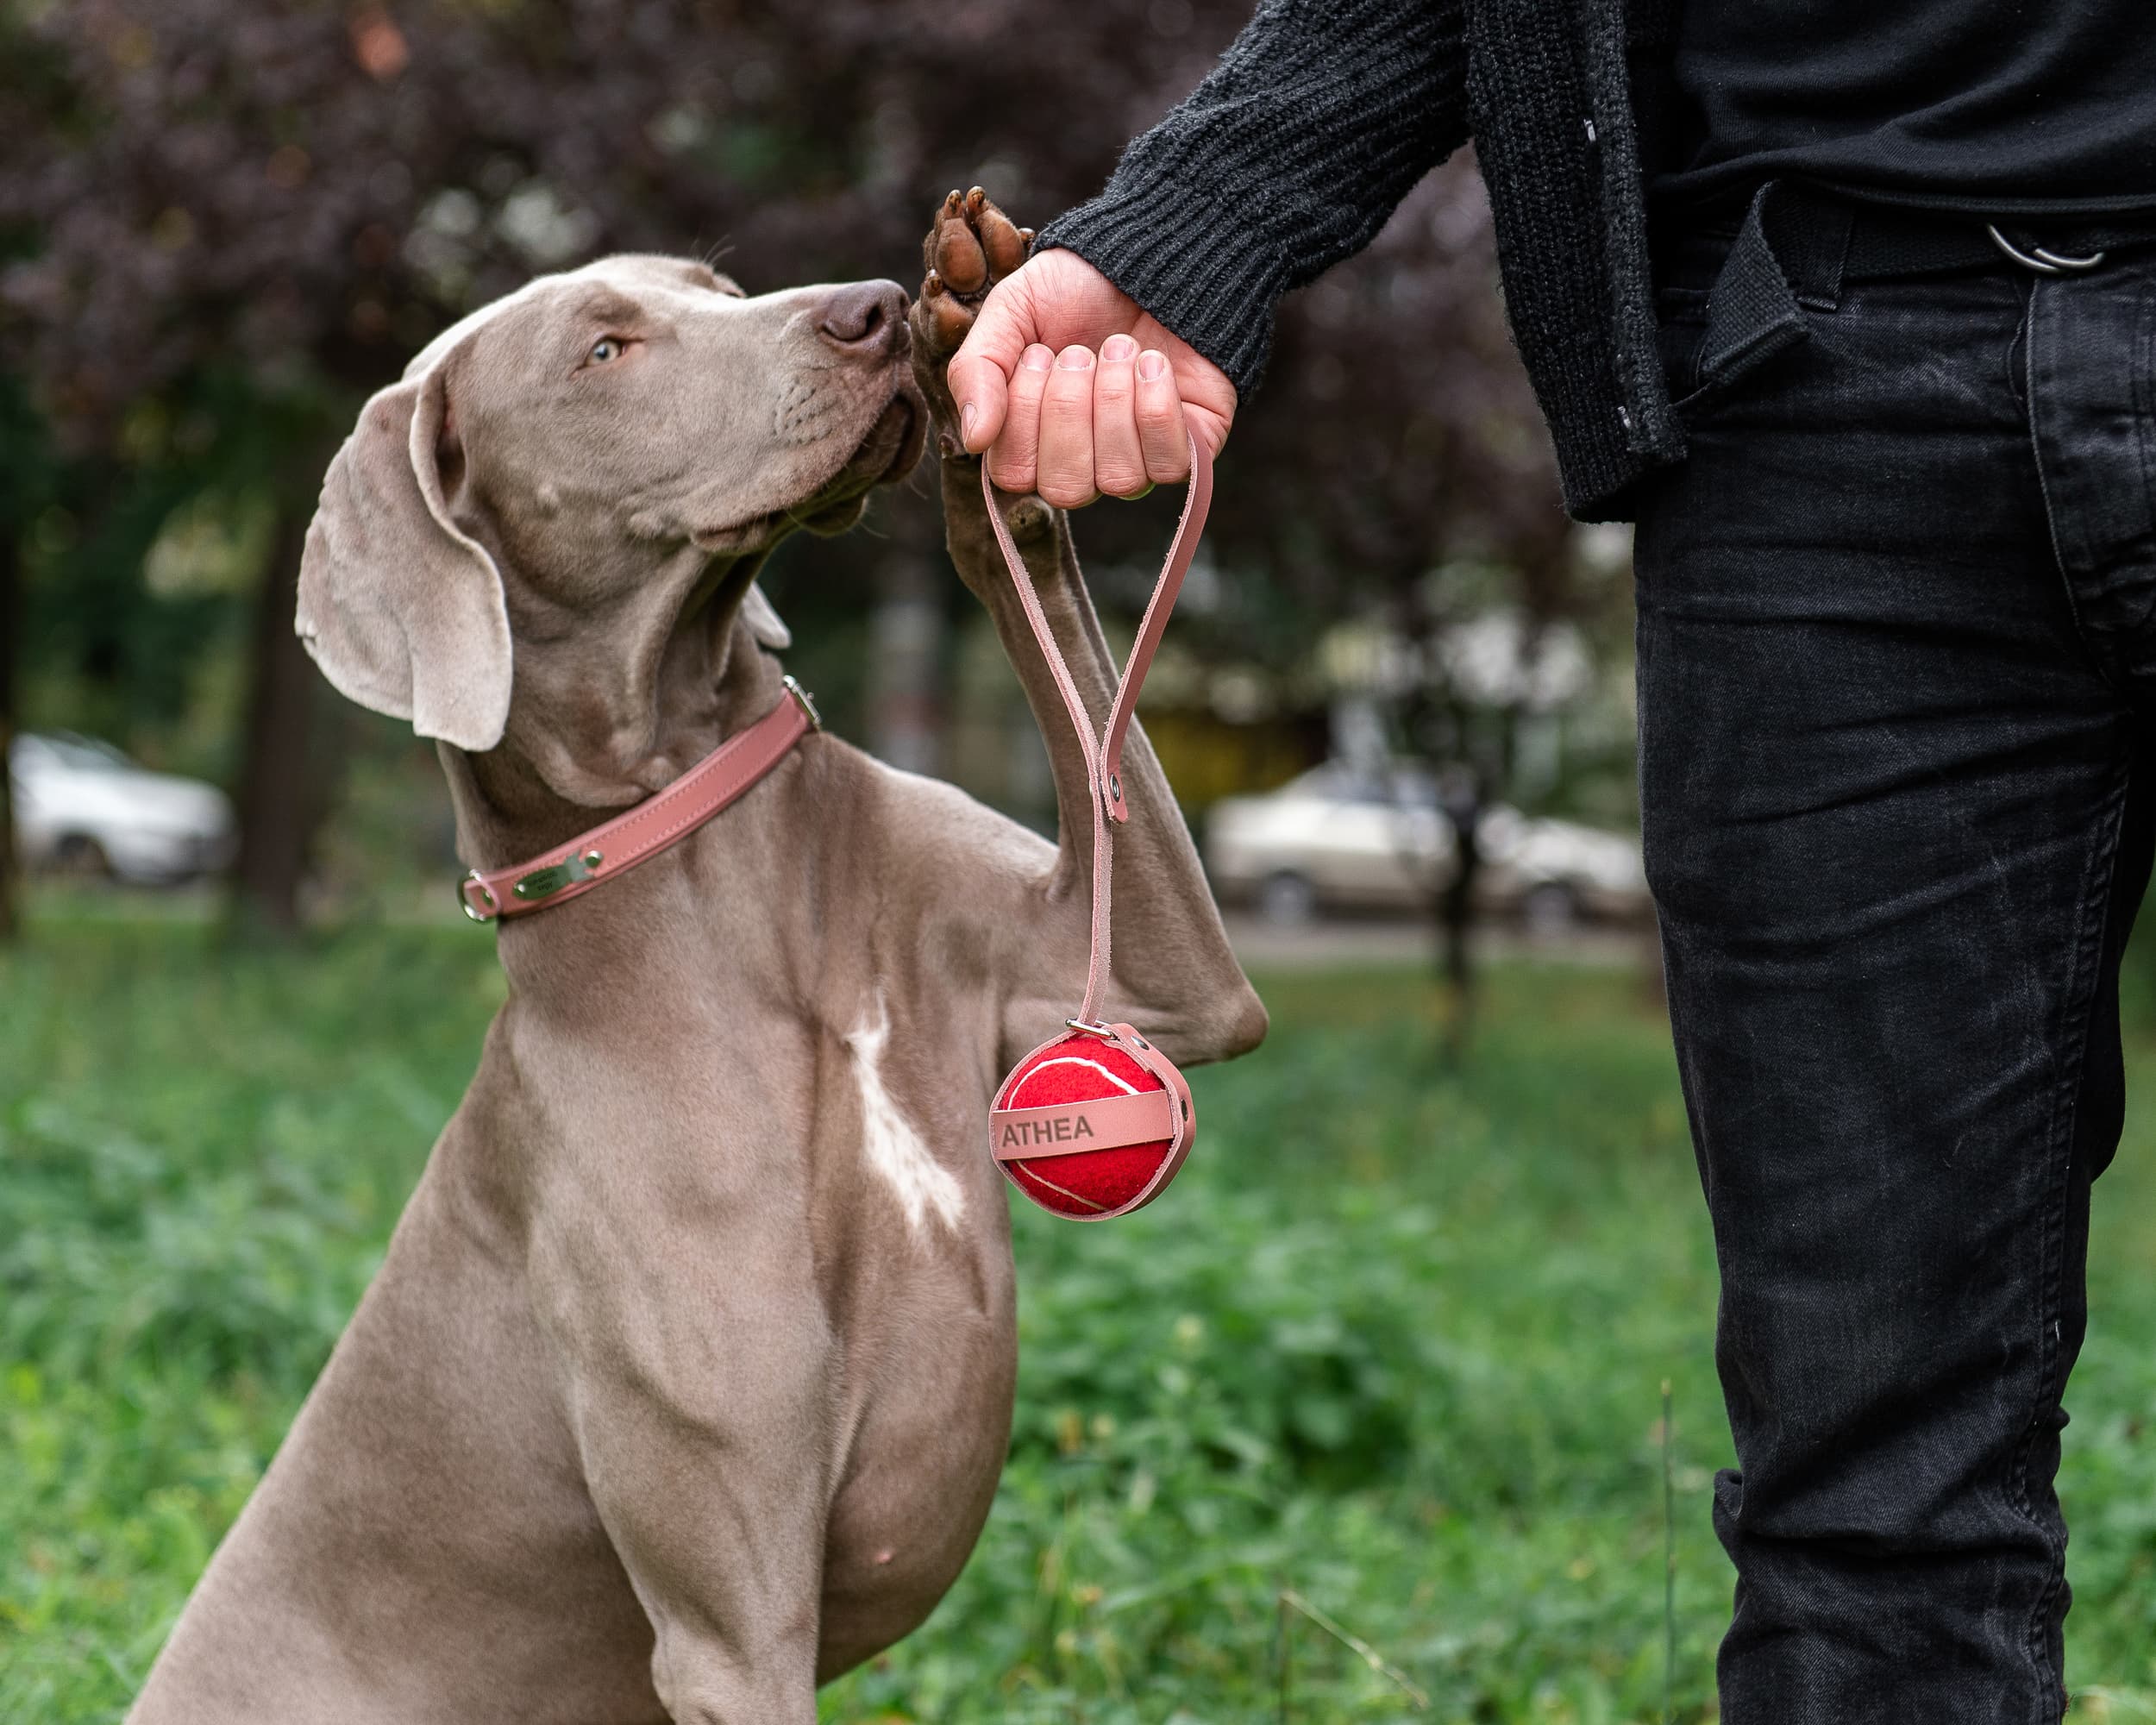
x,y
1394,1341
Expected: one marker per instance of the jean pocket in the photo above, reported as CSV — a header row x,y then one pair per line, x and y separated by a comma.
x,y
1706,364
1681,337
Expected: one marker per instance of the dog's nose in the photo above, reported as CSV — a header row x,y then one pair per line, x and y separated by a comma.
x,y
866,316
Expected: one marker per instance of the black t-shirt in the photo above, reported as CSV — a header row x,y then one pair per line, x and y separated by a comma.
x,y
1986,107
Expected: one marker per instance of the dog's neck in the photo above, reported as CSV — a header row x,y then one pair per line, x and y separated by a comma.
x,y
612,735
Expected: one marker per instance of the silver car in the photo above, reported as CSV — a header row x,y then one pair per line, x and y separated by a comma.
x,y
1337,839
82,808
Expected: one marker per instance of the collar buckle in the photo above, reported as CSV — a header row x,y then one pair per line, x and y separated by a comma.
x,y
806,702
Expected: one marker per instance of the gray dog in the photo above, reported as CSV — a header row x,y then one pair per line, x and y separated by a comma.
x,y
687,1379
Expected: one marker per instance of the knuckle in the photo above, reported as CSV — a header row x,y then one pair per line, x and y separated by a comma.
x,y
1162,431
1070,399
1061,476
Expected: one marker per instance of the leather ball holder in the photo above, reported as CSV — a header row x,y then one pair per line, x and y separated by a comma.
x,y
1092,1124
1096,1121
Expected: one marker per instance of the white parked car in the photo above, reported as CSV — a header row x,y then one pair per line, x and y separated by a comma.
x,y
81,807
1336,839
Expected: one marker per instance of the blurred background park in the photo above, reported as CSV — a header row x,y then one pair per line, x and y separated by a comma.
x,y
1368,1420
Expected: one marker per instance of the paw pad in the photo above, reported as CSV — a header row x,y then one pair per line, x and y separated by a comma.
x,y
971,246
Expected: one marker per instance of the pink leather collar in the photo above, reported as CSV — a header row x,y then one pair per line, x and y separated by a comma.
x,y
661,820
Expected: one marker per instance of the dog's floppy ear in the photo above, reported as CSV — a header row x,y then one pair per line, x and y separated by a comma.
x,y
403,612
763,622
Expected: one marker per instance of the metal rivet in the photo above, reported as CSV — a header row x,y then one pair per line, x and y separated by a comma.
x,y
1115,787
593,858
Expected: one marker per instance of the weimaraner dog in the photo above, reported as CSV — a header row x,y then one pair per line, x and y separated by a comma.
x,y
688,1379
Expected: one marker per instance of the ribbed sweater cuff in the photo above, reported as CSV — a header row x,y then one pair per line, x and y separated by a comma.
x,y
1207,272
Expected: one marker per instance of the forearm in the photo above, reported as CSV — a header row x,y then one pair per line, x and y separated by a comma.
x,y
1288,157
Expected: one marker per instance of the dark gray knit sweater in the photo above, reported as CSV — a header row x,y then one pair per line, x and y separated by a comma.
x,y
1321,115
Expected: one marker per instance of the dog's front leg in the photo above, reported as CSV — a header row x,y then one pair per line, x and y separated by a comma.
x,y
698,1370
1174,972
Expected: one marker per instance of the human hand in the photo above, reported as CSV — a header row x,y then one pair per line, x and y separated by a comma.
x,y
1074,391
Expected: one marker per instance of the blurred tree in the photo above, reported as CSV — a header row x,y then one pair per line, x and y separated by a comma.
x,y
221,224
10,631
24,478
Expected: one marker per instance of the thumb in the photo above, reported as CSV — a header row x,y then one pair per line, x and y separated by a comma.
x,y
979,372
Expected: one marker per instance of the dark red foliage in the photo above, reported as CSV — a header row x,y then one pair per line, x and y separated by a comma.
x,y
301,192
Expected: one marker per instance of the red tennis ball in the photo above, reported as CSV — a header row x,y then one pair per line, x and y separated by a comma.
x,y
1087,1183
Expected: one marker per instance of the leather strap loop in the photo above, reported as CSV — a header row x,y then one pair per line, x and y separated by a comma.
x,y
1104,752
1197,500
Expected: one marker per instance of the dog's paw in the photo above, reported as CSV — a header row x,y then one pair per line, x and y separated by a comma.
x,y
970,247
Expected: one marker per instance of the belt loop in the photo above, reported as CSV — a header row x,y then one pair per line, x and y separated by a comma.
x,y
1814,234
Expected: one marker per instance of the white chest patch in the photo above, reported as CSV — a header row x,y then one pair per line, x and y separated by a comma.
x,y
893,1148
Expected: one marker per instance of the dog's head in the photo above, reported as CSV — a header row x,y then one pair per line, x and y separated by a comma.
x,y
564,477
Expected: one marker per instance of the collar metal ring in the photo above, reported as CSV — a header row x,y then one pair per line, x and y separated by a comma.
x,y
464,899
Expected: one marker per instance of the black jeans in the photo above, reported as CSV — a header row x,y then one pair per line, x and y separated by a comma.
x,y
1897,671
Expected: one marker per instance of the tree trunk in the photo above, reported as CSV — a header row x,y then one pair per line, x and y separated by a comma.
x,y
1456,925
283,795
11,637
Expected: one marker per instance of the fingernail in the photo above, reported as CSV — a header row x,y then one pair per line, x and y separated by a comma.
x,y
1075,359
1036,359
967,415
1118,348
1152,365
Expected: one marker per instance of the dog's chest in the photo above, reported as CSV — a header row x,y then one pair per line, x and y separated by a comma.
x,y
902,1168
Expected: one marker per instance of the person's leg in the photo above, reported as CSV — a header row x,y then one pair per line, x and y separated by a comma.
x,y
1896,828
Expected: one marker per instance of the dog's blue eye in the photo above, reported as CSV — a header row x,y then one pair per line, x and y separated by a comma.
x,y
606,348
